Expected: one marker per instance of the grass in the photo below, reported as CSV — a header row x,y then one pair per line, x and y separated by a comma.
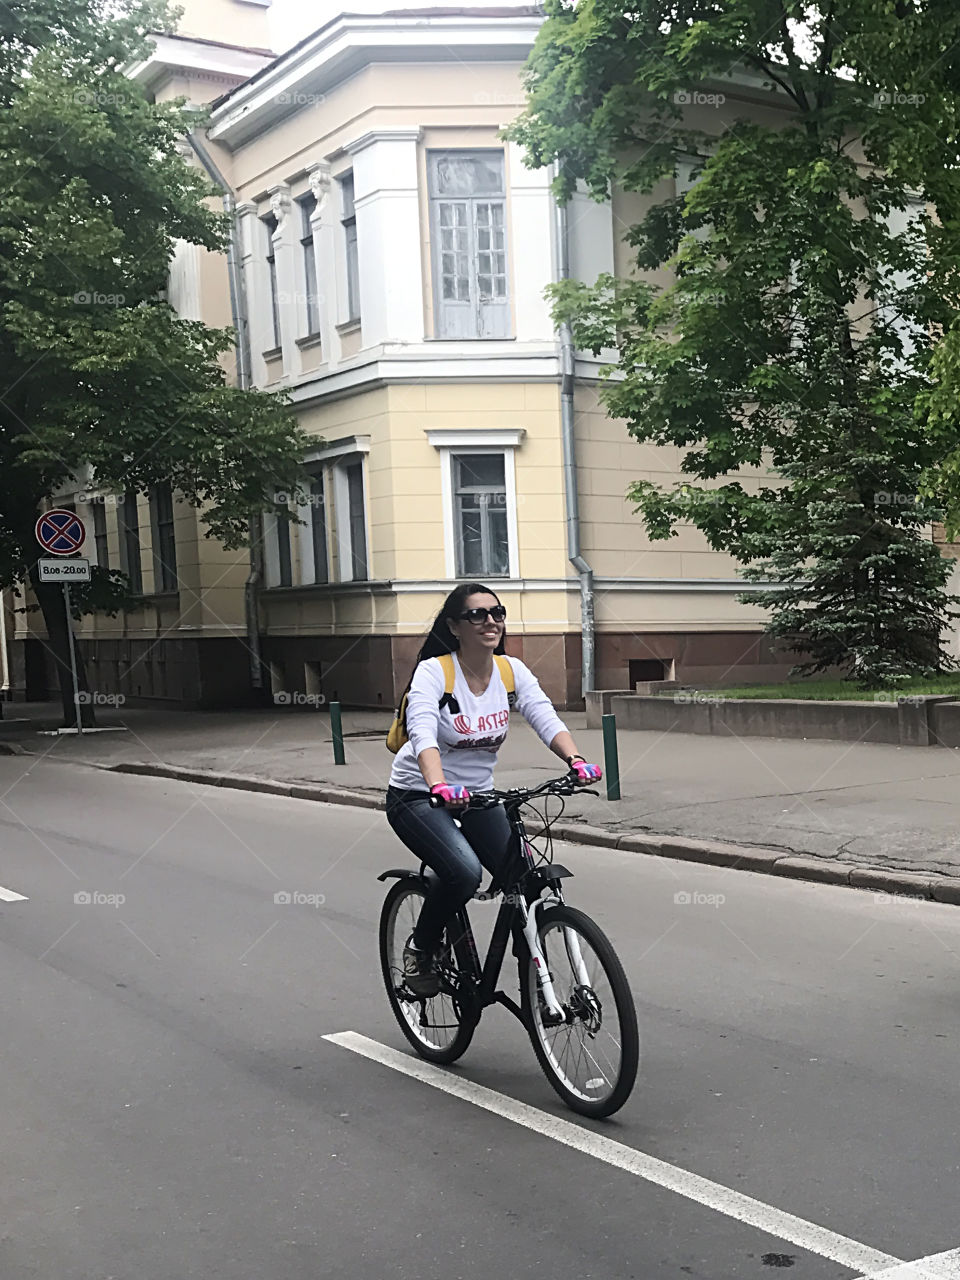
x,y
841,690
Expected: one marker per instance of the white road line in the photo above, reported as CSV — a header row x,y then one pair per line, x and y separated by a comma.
x,y
7,895
754,1213
938,1266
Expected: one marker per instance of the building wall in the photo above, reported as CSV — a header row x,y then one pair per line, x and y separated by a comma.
x,y
387,382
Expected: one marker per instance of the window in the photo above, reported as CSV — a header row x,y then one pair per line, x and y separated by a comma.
x,y
480,515
318,530
348,219
100,533
129,521
357,519
270,227
308,207
164,539
283,551
467,214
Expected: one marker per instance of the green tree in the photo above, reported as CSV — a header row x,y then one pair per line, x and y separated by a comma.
x,y
806,357
98,371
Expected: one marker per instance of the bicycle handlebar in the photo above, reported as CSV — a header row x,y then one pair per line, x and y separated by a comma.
x,y
566,785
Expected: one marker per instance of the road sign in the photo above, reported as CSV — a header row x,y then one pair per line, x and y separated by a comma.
x,y
75,570
61,532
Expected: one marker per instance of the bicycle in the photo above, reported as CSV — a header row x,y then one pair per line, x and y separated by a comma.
x,y
575,1001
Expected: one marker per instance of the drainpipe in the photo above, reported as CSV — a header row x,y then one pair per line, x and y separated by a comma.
x,y
238,311
583,569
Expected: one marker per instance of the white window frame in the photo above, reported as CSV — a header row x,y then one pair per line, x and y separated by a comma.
x,y
308,564
341,531
306,207
351,308
503,306
271,552
449,444
269,224
897,222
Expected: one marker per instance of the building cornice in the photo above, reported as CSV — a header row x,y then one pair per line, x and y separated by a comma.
x,y
206,59
351,42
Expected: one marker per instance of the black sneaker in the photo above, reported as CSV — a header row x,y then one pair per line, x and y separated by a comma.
x,y
420,970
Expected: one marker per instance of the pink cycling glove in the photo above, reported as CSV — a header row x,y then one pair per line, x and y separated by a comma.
x,y
586,772
450,794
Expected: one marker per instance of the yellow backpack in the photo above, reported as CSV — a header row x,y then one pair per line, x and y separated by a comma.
x,y
397,734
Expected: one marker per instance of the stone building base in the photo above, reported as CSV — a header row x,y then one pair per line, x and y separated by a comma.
x,y
372,671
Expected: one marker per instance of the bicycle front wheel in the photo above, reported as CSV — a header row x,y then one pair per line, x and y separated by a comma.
x,y
440,1027
591,1057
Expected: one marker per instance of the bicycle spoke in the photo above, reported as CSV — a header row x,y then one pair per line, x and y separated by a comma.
x,y
585,1050
435,1021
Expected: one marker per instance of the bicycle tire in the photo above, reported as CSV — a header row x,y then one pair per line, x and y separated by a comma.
x,y
443,1006
605,1102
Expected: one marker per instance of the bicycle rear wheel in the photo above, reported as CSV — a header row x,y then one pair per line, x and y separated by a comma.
x,y
591,1058
440,1027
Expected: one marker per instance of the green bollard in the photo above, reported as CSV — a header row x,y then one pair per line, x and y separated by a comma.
x,y
336,728
611,761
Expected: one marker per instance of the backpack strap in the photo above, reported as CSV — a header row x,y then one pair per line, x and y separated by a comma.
x,y
449,672
505,667
449,678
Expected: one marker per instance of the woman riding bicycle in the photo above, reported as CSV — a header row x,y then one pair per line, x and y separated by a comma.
x,y
453,740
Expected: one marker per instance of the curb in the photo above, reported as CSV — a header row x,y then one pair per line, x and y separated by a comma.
x,y
895,884
241,782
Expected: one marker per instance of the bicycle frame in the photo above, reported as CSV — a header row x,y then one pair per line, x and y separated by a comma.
x,y
518,914
516,907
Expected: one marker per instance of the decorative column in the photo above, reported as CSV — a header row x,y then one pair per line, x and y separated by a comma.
x,y
325,257
256,279
285,266
530,247
387,200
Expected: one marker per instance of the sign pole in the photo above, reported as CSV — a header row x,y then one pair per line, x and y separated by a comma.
x,y
73,657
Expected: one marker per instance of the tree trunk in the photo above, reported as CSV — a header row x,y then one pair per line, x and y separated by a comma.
x,y
50,599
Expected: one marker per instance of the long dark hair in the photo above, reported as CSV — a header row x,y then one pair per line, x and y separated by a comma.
x,y
440,639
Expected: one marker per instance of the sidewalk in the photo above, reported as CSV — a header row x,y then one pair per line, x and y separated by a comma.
x,y
845,805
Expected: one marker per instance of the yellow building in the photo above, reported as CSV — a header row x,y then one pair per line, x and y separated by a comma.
x,y
391,256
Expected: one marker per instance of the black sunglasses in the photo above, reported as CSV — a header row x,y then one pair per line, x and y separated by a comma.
x,y
498,613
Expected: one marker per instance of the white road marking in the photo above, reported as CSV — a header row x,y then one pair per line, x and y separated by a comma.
x,y
7,895
713,1195
938,1266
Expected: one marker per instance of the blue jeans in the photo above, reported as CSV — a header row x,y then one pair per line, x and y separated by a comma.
x,y
456,855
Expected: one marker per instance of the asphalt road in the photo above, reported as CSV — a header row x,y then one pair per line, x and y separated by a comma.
x,y
170,1109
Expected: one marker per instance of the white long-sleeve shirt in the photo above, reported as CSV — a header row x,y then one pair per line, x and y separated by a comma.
x,y
468,742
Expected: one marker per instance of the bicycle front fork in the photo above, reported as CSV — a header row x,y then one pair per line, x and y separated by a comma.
x,y
544,981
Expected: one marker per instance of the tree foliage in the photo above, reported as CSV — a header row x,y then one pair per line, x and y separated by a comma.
x,y
99,374
805,359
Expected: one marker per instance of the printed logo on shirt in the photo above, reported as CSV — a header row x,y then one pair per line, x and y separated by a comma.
x,y
496,721
462,724
492,743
